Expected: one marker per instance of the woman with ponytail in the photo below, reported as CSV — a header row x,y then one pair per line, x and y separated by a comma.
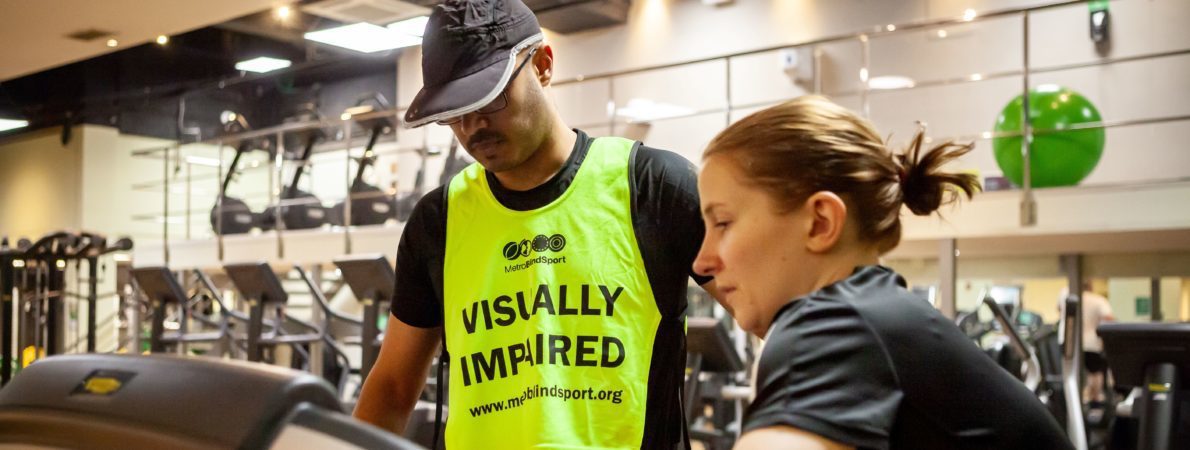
x,y
800,202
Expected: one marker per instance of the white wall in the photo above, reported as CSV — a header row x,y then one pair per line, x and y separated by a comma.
x,y
39,184
662,32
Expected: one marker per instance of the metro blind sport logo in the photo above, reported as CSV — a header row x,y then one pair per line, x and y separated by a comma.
x,y
541,244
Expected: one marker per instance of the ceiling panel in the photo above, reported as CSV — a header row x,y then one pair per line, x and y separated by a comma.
x,y
34,32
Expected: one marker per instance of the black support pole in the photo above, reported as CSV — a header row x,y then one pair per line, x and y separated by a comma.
x,y
92,299
369,333
255,328
6,285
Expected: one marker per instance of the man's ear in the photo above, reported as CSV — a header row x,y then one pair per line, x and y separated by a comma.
x,y
828,218
543,61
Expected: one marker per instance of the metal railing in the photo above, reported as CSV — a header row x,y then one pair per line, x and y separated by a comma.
x,y
1028,212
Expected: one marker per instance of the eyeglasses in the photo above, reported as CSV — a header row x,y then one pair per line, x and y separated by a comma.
x,y
498,103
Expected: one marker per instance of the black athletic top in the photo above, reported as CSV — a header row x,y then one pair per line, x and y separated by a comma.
x,y
865,363
669,232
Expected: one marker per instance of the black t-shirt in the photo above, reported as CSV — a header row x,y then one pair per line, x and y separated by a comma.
x,y
669,232
865,363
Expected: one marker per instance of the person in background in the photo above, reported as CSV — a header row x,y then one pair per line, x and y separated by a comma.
x,y
1096,310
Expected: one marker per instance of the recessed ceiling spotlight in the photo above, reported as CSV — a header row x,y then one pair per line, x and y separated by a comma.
x,y
162,39
112,43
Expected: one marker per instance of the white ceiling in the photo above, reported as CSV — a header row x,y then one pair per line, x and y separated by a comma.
x,y
33,32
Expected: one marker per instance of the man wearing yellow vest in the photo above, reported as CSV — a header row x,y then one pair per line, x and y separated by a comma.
x,y
556,267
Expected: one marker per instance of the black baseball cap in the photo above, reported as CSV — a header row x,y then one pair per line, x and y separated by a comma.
x,y
468,54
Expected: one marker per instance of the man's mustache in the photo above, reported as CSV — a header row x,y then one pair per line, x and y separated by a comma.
x,y
482,136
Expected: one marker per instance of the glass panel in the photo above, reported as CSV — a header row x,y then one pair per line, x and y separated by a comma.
x,y
686,136
583,104
670,92
948,52
769,77
1058,36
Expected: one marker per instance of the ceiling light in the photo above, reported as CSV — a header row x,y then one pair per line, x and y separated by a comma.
x,y
162,39
10,124
644,110
976,77
969,15
282,12
890,82
891,27
112,42
942,34
262,64
412,27
363,37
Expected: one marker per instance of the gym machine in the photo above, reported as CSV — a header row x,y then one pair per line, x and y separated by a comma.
x,y
712,361
152,402
369,205
298,209
262,291
1153,359
41,285
231,215
163,290
372,280
8,278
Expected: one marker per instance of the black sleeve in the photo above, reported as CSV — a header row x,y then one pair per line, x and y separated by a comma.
x,y
417,297
822,370
667,193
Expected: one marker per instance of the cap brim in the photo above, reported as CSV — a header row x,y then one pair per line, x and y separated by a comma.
x,y
466,94
460,96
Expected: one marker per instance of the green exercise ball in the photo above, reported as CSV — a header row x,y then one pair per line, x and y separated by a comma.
x,y
1060,158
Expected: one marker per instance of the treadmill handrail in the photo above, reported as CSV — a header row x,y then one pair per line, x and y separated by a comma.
x,y
1032,365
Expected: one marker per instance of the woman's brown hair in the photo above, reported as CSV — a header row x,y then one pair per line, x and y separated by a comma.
x,y
809,144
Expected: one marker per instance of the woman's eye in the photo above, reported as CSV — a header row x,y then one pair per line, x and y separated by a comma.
x,y
722,224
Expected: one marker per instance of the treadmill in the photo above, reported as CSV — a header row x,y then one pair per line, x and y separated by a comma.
x,y
163,401
1154,357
